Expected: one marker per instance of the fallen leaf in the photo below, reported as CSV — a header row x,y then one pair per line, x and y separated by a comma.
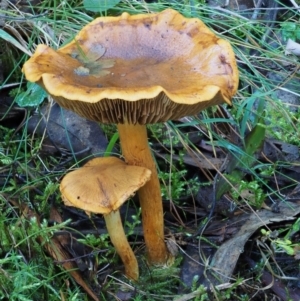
x,y
58,253
226,257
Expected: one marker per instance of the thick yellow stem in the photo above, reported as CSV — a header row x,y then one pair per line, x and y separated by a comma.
x,y
119,240
135,148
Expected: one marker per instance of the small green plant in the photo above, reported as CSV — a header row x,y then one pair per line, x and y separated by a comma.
x,y
284,124
231,292
290,30
157,282
50,189
99,242
25,272
135,221
93,241
251,192
175,185
200,293
283,244
26,281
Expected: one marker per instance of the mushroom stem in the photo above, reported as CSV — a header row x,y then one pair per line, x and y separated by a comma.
x,y
119,240
135,148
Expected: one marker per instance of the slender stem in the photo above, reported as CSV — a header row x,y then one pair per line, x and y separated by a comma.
x,y
135,148
119,240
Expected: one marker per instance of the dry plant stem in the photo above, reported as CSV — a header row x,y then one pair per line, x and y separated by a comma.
x,y
135,148
119,240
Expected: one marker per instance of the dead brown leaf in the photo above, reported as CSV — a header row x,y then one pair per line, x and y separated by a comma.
x,y
226,257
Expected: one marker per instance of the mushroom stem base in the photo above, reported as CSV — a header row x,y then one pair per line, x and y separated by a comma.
x,y
135,148
119,240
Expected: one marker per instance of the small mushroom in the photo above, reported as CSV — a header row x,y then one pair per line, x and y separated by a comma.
x,y
138,70
101,186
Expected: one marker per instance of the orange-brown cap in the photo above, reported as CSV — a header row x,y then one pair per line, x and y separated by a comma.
x,y
142,69
102,185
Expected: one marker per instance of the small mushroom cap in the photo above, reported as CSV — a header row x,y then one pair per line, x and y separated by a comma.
x,y
102,185
142,69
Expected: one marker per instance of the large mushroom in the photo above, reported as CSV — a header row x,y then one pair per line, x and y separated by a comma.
x,y
101,186
134,70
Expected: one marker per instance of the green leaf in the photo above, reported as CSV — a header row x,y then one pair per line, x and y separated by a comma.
x,y
98,6
7,37
32,97
236,165
254,141
111,145
296,225
289,250
5,160
290,30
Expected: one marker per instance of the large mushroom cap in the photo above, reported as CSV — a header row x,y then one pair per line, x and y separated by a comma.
x,y
102,185
138,69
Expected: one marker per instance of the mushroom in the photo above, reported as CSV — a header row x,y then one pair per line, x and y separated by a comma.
x,y
101,186
138,70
